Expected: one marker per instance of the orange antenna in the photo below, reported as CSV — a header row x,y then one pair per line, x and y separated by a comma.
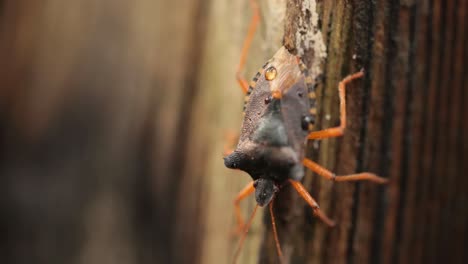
x,y
246,230
275,233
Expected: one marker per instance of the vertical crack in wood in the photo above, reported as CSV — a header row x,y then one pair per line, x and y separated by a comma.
x,y
407,19
363,25
463,151
461,72
418,96
448,125
433,155
420,193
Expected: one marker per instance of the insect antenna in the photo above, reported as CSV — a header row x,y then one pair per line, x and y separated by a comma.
x,y
246,230
275,234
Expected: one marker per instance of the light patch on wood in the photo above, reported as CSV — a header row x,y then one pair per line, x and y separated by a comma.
x,y
312,39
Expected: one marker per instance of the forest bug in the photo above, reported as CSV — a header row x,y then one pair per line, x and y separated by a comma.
x,y
279,116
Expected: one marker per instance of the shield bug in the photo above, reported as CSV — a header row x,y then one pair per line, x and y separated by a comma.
x,y
279,117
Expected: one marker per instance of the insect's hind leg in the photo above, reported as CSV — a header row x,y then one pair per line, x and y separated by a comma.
x,y
339,130
364,176
308,198
247,41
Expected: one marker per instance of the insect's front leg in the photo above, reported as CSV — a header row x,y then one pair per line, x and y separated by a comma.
x,y
311,201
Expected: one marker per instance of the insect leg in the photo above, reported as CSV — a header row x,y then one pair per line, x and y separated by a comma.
x,y
333,177
308,198
339,130
244,235
247,41
248,190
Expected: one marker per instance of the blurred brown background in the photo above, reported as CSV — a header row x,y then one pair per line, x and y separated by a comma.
x,y
113,115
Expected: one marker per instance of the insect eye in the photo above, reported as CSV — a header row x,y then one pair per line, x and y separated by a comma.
x,y
255,184
306,120
270,73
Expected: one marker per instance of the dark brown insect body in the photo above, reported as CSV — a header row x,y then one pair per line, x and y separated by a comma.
x,y
275,128
279,115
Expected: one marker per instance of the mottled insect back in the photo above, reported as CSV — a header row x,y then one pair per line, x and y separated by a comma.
x,y
271,144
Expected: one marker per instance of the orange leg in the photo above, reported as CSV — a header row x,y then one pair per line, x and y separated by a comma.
x,y
306,196
248,190
248,40
339,130
244,235
352,177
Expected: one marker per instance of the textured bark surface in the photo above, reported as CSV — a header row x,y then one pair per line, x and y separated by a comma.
x,y
114,114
